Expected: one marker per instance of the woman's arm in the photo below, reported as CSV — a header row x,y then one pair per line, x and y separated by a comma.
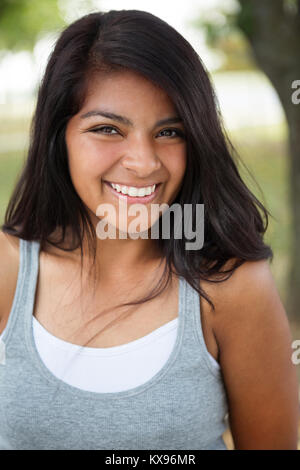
x,y
9,267
254,339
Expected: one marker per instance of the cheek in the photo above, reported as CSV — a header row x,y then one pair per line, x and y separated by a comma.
x,y
88,159
176,166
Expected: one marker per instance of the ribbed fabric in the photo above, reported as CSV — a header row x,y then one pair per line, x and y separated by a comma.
x,y
182,407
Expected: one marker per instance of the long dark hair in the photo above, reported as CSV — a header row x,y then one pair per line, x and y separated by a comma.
x,y
44,198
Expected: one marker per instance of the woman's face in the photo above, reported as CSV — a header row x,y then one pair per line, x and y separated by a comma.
x,y
126,147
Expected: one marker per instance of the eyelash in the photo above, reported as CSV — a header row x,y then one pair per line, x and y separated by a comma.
x,y
179,132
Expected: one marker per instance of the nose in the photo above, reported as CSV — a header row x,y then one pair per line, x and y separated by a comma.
x,y
141,157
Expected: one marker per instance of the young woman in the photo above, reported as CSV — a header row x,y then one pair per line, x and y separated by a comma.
x,y
133,342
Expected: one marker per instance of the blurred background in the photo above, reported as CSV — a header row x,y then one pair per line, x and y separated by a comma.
x,y
251,49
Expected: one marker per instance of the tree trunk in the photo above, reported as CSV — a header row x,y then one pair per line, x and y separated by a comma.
x,y
293,117
274,36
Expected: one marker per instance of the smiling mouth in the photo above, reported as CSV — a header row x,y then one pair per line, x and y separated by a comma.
x,y
134,193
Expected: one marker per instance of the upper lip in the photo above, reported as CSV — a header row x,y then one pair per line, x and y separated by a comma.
x,y
131,184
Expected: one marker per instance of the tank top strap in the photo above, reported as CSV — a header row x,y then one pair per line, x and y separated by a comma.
x,y
193,331
190,304
24,296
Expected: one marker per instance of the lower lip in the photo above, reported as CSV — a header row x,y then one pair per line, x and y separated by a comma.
x,y
133,199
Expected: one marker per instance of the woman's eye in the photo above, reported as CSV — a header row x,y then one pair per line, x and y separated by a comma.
x,y
177,131
102,130
108,131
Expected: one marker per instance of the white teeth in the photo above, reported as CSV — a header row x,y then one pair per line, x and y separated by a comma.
x,y
134,191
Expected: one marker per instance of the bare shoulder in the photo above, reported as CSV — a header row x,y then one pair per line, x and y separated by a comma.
x,y
8,240
247,303
254,338
250,293
247,282
9,267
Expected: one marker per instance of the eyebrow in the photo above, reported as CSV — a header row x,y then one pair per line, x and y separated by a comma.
x,y
125,120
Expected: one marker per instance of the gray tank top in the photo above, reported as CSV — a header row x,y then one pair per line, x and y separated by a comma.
x,y
182,407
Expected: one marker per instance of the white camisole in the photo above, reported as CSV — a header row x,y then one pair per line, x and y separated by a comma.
x,y
104,370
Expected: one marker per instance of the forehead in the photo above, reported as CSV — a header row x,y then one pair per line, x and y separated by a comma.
x,y
125,88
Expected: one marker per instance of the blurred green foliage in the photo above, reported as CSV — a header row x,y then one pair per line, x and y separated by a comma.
x,y
222,34
264,151
227,28
22,22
